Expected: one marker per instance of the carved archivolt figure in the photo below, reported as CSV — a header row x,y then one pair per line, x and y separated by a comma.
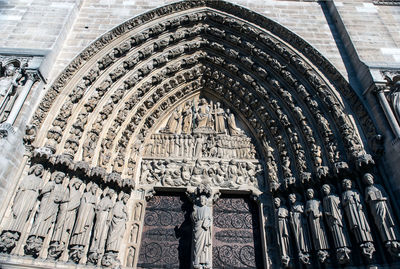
x,y
8,89
202,221
22,206
84,222
300,230
334,218
282,216
116,231
53,194
103,219
65,219
358,222
377,200
315,220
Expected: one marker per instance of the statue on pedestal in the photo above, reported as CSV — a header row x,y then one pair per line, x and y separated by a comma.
x,y
282,220
22,206
65,220
315,221
83,226
300,229
358,222
378,203
334,218
53,195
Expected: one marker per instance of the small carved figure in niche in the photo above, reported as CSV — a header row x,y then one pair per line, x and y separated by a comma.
x,y
233,130
52,194
103,218
131,257
65,220
187,115
9,82
358,222
378,203
174,121
282,220
21,209
116,231
219,118
300,229
203,116
318,235
202,222
81,234
334,218
198,148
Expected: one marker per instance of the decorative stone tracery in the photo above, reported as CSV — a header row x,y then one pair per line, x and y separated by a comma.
x,y
204,93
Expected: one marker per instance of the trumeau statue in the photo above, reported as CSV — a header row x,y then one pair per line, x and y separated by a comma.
x,y
282,220
65,219
334,218
53,194
84,223
300,230
22,206
103,219
378,203
9,83
313,211
358,222
116,231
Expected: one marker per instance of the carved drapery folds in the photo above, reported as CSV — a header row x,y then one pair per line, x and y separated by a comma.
x,y
196,98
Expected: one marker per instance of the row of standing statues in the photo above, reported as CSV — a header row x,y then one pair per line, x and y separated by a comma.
x,y
202,116
305,224
79,221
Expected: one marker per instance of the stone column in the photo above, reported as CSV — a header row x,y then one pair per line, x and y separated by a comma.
x,y
388,111
7,126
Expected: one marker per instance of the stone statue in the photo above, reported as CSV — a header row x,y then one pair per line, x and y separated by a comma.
x,y
313,211
378,203
81,234
282,216
300,230
103,218
334,218
203,114
358,222
116,231
395,97
8,89
174,122
65,220
187,115
202,221
53,194
22,206
219,119
233,130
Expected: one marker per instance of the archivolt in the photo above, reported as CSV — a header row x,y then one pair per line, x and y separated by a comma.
x,y
108,100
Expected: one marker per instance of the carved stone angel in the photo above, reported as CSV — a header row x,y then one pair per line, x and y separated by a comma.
x,y
358,222
334,218
315,221
282,223
22,206
300,229
377,200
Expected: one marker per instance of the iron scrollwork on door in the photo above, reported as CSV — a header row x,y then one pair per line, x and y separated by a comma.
x,y
237,237
167,233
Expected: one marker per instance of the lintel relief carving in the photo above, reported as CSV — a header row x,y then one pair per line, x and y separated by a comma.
x,y
206,100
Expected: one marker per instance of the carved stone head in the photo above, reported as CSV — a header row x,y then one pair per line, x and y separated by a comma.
x,y
277,202
347,184
310,193
58,177
37,170
10,70
368,179
292,198
76,182
326,189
